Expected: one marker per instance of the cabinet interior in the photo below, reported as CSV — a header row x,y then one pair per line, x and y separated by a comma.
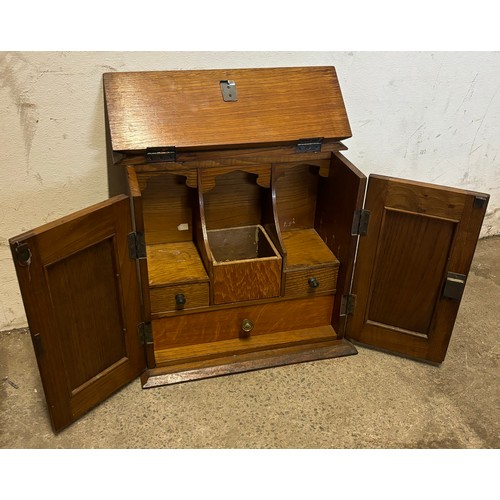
x,y
226,242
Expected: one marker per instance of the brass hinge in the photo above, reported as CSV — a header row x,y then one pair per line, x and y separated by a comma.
x,y
155,155
360,222
145,333
348,305
309,145
136,246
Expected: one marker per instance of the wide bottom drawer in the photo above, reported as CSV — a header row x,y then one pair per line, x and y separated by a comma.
x,y
240,323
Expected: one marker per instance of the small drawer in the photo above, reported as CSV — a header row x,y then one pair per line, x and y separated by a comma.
x,y
179,297
310,281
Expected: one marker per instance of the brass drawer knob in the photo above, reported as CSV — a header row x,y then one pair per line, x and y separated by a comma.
x,y
313,283
180,300
246,327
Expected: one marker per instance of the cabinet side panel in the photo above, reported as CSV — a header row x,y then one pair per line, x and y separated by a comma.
x,y
339,196
142,264
166,206
296,195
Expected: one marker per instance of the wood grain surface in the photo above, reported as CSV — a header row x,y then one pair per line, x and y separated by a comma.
x,y
171,263
246,265
297,282
135,194
210,175
235,200
163,298
305,248
231,156
185,109
340,195
247,361
244,280
296,196
209,350
213,326
167,207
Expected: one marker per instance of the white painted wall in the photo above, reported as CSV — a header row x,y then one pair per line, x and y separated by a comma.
x,y
431,117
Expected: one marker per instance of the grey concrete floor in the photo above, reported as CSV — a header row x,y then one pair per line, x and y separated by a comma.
x,y
371,400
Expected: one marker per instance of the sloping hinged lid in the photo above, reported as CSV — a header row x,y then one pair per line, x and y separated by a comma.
x,y
186,109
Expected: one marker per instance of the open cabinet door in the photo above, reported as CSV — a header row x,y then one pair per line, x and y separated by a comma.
x,y
412,266
81,295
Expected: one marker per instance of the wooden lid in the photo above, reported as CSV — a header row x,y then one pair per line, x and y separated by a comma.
x,y
186,109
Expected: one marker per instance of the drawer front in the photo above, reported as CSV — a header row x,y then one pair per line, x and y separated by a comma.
x,y
307,282
231,323
163,299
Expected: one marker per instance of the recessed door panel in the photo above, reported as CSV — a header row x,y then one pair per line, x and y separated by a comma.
x,y
82,282
425,242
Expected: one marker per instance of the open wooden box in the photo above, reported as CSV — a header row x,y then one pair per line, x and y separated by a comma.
x,y
242,242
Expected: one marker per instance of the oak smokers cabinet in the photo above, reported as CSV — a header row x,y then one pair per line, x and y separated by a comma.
x,y
234,248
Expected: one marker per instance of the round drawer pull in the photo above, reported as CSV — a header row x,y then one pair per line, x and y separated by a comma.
x,y
180,300
313,283
246,327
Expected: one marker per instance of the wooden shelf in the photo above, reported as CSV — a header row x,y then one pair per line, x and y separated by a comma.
x,y
305,248
172,263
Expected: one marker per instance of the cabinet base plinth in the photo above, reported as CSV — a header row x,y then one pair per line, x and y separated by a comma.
x,y
246,362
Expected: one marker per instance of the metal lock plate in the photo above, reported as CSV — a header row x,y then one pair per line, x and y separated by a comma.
x,y
228,88
454,286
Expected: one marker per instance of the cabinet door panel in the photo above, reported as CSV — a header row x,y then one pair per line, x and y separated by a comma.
x,y
81,295
418,234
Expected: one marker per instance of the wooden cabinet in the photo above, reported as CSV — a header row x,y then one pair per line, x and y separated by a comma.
x,y
242,242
